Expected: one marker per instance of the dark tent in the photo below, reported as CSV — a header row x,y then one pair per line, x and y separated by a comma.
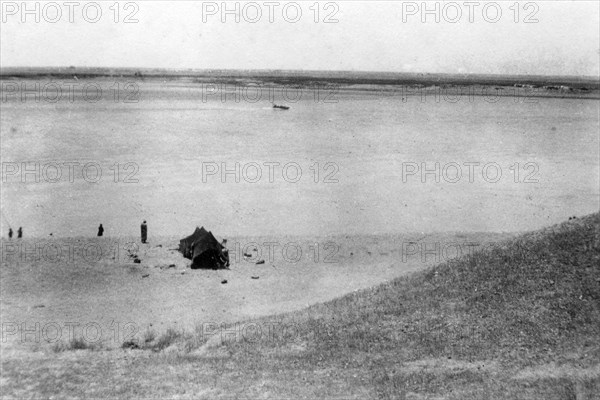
x,y
203,249
185,245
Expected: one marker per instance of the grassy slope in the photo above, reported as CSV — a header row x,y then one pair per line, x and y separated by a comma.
x,y
519,322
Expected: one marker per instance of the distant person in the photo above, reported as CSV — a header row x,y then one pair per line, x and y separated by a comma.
x,y
100,230
10,233
144,232
224,253
20,233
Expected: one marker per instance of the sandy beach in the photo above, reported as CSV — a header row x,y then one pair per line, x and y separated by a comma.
x,y
101,288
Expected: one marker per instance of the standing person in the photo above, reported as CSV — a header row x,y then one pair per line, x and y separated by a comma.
x,y
10,233
100,230
20,233
224,253
144,232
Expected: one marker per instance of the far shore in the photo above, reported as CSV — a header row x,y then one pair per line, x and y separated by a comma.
x,y
363,82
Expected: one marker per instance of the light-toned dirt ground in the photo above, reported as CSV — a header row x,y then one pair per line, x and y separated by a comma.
x,y
100,288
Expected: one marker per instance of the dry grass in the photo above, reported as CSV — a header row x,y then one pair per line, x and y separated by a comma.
x,y
75,344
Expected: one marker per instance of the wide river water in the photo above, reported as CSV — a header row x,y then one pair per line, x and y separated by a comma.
x,y
345,162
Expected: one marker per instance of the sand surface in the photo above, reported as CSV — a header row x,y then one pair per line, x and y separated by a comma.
x,y
100,288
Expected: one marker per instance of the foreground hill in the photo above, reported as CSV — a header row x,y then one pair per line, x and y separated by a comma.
x,y
519,321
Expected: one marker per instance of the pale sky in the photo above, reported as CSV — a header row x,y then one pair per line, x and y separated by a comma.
x,y
368,36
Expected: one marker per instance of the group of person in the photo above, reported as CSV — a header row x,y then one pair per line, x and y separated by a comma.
x,y
224,256
144,231
19,233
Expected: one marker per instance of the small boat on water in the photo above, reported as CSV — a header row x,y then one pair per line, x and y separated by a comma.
x,y
280,107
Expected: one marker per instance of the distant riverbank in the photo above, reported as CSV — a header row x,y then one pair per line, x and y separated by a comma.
x,y
444,84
